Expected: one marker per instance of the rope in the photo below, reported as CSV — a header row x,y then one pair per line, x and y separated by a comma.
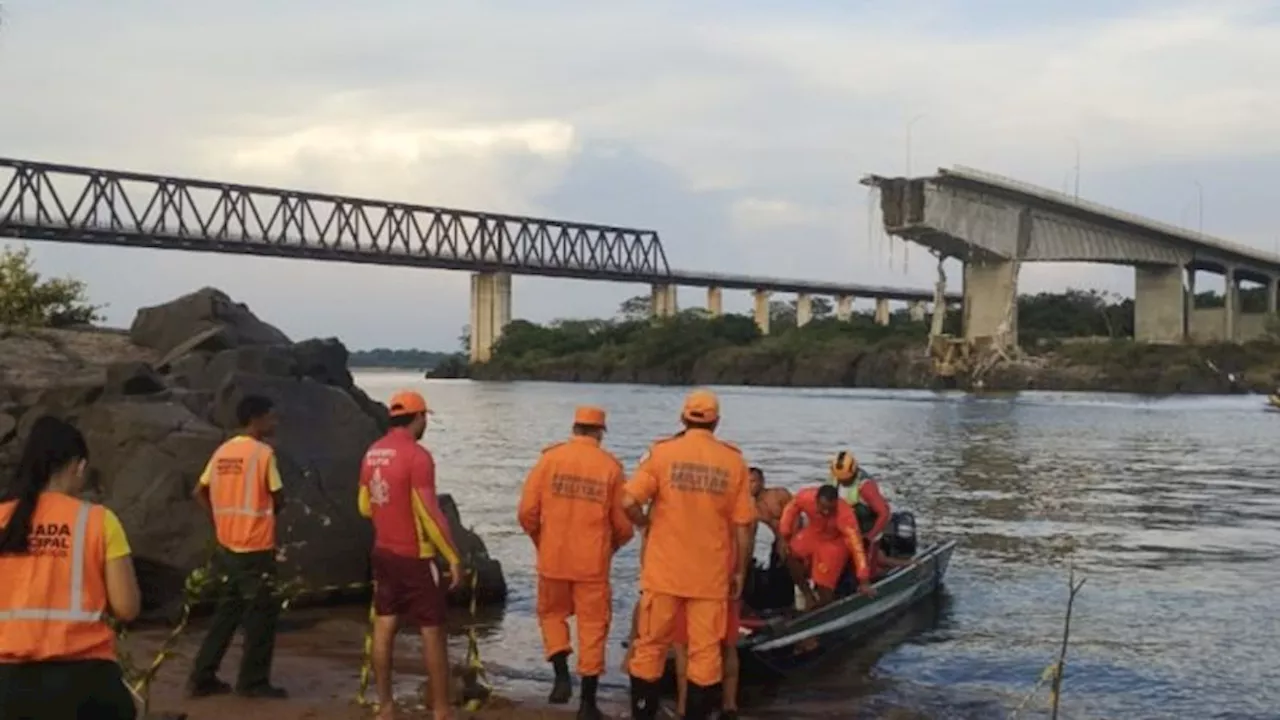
x,y
366,664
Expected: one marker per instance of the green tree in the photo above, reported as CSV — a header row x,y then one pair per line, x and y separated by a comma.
x,y
636,308
27,299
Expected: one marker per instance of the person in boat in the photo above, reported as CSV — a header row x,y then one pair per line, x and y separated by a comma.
x,y
862,493
770,502
820,551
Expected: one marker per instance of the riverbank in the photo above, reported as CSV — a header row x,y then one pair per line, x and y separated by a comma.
x,y
1087,365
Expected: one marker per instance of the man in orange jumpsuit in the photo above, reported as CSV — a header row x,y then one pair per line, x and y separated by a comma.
x,y
571,508
862,493
410,538
820,550
701,506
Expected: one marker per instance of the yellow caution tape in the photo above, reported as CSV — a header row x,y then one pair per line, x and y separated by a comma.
x,y
366,664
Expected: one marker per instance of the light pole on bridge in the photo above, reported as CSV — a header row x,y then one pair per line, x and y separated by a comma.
x,y
910,123
1075,141
1199,207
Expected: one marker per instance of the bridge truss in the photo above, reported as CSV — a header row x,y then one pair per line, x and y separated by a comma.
x,y
63,203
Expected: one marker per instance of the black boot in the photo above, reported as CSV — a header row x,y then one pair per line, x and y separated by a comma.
x,y
701,701
562,688
587,709
645,699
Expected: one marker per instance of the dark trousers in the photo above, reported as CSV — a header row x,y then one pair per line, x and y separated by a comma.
x,y
244,599
64,690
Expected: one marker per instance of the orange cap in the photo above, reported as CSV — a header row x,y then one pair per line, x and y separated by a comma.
x,y
589,415
701,406
407,402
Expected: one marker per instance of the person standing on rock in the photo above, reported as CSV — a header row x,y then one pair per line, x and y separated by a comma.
x,y
571,507
701,513
410,537
242,490
65,564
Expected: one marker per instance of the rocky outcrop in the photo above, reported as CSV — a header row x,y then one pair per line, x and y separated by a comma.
x,y
155,403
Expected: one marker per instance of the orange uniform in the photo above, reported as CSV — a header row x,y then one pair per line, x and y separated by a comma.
x,y
826,543
53,599
698,486
241,476
571,507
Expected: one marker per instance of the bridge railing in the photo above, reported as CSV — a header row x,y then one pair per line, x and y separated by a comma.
x,y
44,201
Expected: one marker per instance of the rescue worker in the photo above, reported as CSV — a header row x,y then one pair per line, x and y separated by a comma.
x,y
770,503
729,646
862,493
701,506
410,538
242,490
571,507
65,564
820,550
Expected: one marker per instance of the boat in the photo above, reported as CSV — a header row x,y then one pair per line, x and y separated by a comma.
x,y
789,642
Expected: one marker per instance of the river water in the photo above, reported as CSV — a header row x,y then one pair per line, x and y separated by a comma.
x,y
1168,506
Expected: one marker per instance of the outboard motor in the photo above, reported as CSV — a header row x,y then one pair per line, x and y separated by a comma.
x,y
899,539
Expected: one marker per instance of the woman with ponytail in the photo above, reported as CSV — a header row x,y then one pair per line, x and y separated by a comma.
x,y
65,564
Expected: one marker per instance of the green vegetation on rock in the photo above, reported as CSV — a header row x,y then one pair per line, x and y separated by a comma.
x,y
1076,340
27,300
412,359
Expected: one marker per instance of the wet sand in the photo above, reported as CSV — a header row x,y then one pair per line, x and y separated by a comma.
x,y
318,658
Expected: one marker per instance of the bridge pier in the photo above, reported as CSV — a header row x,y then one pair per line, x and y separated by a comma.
x,y
882,311
991,299
916,311
1159,304
844,308
804,309
490,312
715,302
663,301
1273,291
1231,291
761,298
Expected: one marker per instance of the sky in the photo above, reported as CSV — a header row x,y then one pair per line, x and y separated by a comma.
x,y
737,130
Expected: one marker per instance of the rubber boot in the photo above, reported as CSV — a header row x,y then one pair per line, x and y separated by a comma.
x,y
646,699
587,709
562,687
702,702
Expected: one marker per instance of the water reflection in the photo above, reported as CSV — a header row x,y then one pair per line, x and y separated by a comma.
x,y
1168,505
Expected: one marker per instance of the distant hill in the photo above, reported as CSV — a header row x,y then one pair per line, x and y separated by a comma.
x,y
398,359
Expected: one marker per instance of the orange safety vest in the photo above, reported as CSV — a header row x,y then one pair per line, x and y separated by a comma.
x,y
53,599
243,514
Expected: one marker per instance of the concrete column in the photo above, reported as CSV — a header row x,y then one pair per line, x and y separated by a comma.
x,y
882,311
844,308
804,309
1273,290
762,310
1231,305
1159,304
1190,322
715,302
663,301
990,299
490,312
916,311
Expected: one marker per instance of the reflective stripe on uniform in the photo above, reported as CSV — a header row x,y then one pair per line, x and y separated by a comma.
x,y
247,505
76,611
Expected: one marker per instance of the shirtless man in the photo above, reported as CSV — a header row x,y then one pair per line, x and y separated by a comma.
x,y
769,505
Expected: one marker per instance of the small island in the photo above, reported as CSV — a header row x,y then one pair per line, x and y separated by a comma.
x,y
1071,341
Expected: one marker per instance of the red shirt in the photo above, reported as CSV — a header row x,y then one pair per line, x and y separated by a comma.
x,y
398,492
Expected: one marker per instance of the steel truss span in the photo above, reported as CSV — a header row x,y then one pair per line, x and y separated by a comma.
x,y
61,203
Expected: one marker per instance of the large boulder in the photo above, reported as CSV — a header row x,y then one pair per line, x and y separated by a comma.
x,y
155,403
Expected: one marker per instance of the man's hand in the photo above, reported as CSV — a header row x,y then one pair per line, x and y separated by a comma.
x,y
736,583
455,575
784,549
866,590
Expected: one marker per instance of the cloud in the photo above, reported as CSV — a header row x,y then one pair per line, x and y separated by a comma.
x,y
738,130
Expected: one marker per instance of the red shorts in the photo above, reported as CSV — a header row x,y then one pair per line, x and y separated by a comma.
x,y
733,622
825,556
409,588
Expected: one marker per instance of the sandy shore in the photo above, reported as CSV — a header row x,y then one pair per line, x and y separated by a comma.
x,y
318,658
